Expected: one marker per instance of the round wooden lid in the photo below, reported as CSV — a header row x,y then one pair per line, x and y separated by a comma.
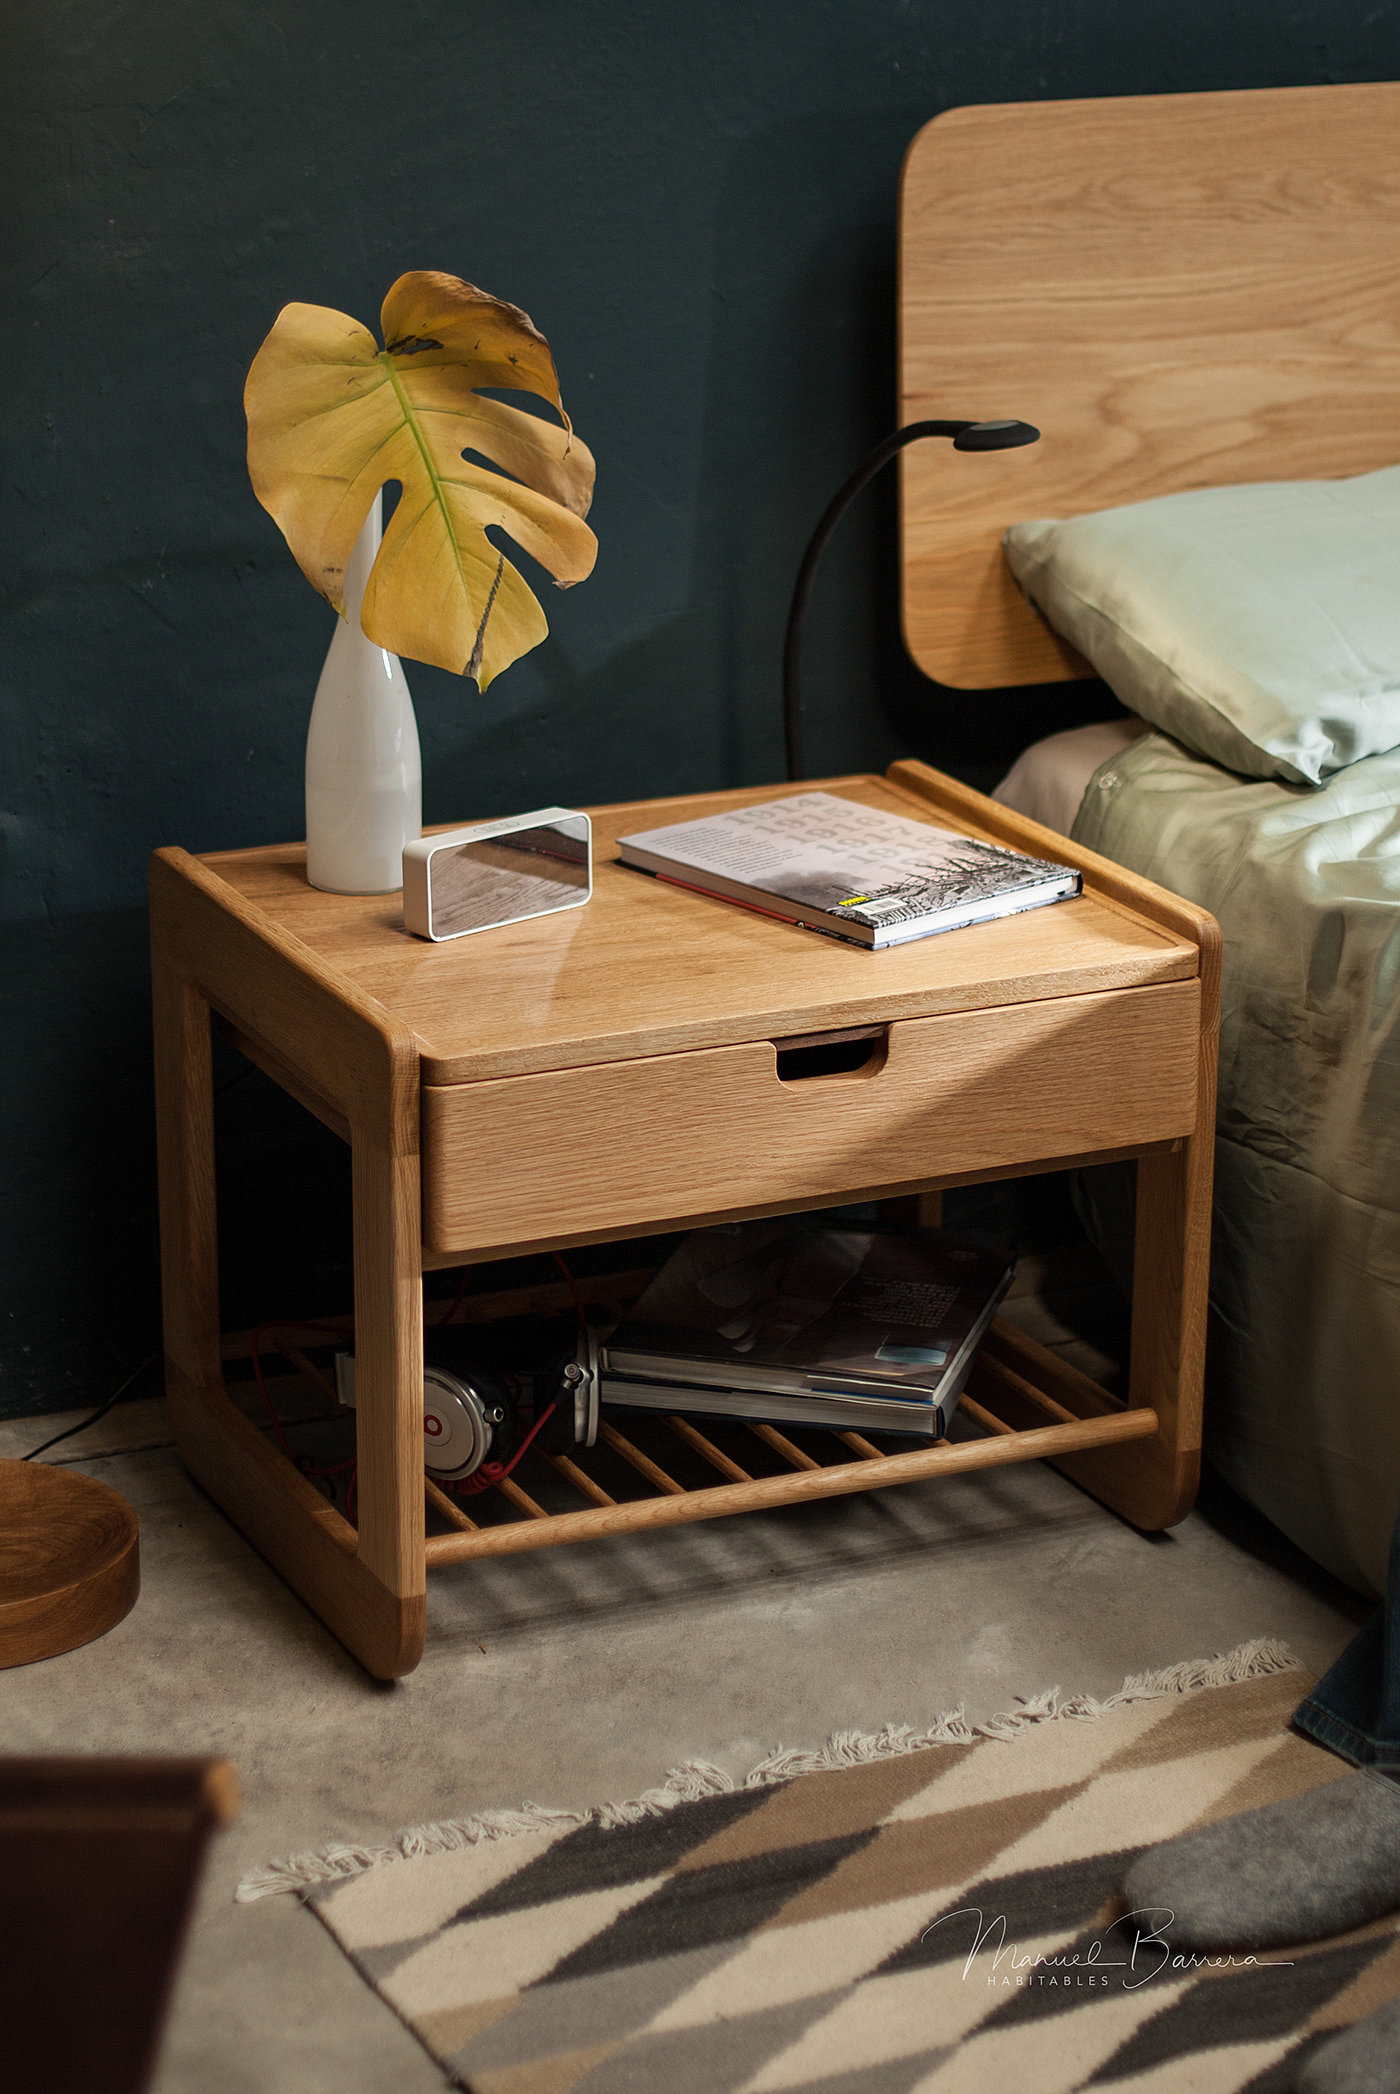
x,y
69,1560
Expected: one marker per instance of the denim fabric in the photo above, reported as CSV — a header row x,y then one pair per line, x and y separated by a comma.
x,y
1355,1709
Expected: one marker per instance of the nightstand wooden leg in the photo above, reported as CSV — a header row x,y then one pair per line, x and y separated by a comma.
x,y
1153,1482
185,1143
369,1591
389,1359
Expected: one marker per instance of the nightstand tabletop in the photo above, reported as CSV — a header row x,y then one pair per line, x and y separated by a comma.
x,y
650,968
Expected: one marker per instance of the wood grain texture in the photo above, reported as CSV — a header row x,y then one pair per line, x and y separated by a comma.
x,y
705,1447
781,1444
209,947
386,1206
616,1069
1171,1299
642,1463
451,1512
286,1077
679,1508
285,1517
1009,1359
310,1015
1112,886
633,1144
904,1201
582,1483
1178,290
649,968
69,1560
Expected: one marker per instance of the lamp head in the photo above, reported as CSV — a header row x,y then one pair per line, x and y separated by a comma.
x,y
995,436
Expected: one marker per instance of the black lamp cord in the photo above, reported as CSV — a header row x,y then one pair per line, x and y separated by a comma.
x,y
966,436
94,1416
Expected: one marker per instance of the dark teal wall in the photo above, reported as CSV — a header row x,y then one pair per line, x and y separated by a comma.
x,y
697,204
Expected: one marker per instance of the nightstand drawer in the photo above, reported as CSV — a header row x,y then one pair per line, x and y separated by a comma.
x,y
633,1145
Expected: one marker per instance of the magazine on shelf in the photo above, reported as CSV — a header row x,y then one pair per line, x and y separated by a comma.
x,y
780,1321
830,864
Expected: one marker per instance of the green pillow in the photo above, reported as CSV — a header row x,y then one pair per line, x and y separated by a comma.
x,y
1258,625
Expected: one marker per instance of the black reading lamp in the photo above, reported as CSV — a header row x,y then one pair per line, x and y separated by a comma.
x,y
966,436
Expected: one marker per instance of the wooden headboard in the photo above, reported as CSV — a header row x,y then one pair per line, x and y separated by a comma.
x,y
1178,290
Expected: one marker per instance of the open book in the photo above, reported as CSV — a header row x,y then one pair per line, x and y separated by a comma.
x,y
855,872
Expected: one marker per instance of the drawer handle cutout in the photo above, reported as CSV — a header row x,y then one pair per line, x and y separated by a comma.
x,y
860,1051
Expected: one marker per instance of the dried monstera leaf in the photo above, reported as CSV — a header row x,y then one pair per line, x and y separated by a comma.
x,y
332,416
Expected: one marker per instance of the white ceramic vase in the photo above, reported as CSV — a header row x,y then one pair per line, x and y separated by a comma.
x,y
364,775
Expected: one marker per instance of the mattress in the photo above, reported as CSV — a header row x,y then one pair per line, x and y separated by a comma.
x,y
1048,780
1303,1368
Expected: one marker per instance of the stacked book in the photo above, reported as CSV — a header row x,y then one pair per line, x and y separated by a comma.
x,y
776,1320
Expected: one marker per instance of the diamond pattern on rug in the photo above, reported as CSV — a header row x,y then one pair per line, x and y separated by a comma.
x,y
702,1905
822,1806
592,1859
923,1854
1280,2076
602,2008
827,1956
387,1907
1241,2006
1008,1909
1001,2058
938,1921
718,2059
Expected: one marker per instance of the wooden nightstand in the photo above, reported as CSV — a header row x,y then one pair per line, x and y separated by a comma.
x,y
621,1068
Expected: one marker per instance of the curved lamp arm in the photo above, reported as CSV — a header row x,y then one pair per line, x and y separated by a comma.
x,y
966,436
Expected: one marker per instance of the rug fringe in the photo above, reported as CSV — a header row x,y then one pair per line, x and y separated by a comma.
x,y
699,1778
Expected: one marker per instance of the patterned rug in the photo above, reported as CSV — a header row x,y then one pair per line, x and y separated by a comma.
x,y
930,1914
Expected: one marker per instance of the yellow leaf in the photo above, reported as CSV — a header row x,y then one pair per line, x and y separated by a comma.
x,y
332,416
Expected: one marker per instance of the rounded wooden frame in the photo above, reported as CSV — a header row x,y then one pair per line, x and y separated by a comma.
x,y
1177,290
242,935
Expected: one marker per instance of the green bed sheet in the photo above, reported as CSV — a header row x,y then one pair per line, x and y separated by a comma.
x,y
1303,1371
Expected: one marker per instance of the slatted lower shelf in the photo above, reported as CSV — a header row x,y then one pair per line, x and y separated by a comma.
x,y
1008,1401
1023,1402
674,1505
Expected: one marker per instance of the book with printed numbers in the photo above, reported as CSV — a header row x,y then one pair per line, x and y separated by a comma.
x,y
855,872
835,1327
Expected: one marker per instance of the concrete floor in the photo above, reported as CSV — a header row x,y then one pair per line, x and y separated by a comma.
x,y
579,1675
